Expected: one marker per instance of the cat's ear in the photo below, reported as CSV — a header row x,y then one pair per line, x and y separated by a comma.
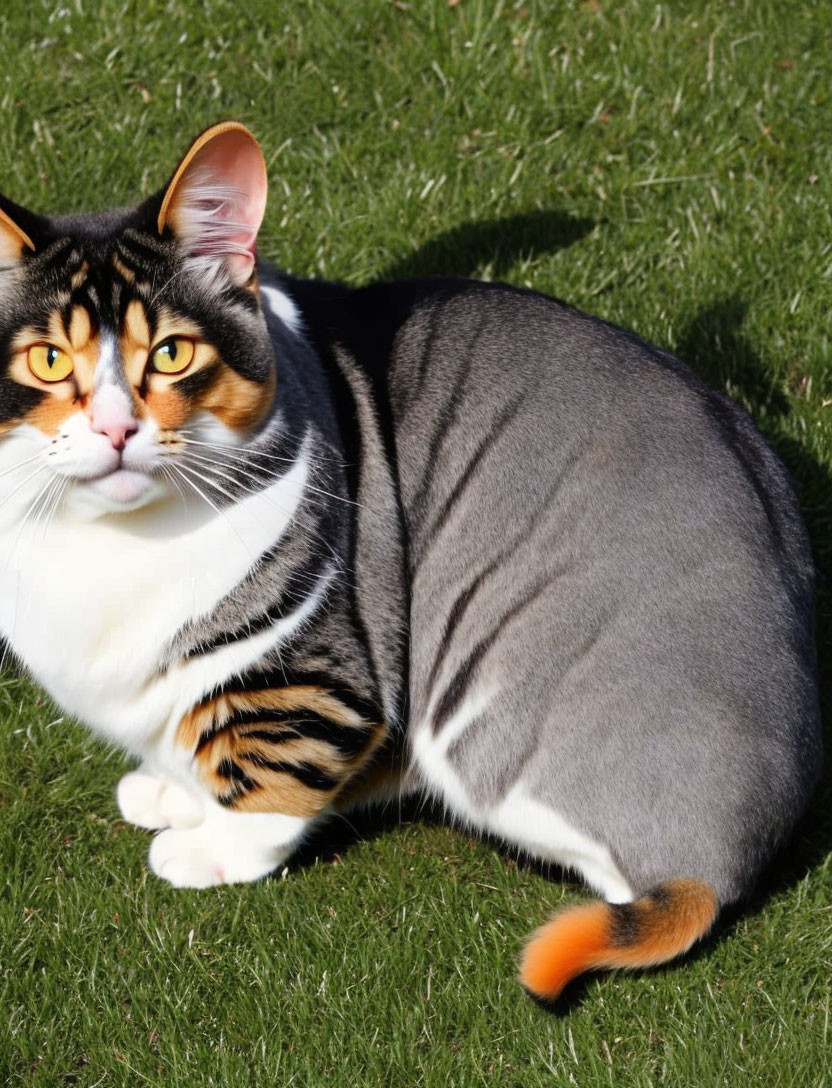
x,y
215,201
13,237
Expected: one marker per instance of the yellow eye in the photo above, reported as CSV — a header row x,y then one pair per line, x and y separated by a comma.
x,y
172,356
48,363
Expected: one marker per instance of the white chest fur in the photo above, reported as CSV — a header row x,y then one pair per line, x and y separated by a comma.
x,y
90,605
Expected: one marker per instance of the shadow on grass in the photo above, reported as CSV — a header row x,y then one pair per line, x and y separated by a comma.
x,y
714,345
500,243
334,837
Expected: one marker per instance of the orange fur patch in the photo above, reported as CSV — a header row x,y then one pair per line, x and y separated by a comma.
x,y
168,408
297,697
274,789
135,342
51,413
238,402
80,328
655,928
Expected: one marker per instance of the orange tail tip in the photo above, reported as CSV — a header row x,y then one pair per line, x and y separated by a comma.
x,y
658,926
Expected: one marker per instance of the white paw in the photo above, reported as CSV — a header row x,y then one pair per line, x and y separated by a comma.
x,y
152,802
199,858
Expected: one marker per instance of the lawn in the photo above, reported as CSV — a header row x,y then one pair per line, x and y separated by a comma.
x,y
664,165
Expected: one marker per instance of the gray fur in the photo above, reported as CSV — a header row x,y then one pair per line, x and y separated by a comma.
x,y
625,559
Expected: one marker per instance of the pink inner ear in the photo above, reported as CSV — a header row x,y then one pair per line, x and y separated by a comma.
x,y
217,199
12,240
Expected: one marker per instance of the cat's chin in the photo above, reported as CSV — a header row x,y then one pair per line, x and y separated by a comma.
x,y
118,491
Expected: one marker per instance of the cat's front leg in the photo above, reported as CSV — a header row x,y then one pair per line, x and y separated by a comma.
x,y
152,802
269,762
226,848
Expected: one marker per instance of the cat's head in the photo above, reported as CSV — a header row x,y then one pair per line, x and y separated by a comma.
x,y
124,335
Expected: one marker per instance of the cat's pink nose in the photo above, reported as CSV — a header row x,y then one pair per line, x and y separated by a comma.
x,y
113,414
118,431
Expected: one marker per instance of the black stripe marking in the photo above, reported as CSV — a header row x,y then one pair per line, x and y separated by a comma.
x,y
286,679
243,717
55,258
273,736
492,436
448,416
227,768
455,691
460,607
234,795
465,598
349,741
347,738
365,709
141,252
311,777
271,714
426,353
287,602
629,921
194,384
16,399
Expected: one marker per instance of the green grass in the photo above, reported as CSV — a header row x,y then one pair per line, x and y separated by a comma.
x,y
666,166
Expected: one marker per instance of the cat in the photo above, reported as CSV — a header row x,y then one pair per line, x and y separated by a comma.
x,y
298,547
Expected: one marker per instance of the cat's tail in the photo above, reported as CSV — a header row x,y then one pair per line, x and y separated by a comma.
x,y
660,925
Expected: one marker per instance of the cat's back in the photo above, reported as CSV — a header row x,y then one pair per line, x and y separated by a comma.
x,y
490,377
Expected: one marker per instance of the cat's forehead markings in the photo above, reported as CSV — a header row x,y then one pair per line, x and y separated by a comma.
x,y
79,276
123,270
63,301
80,328
136,328
136,335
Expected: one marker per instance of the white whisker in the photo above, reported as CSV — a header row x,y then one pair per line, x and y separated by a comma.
x,y
30,510
244,456
167,283
211,470
207,477
21,464
58,498
181,469
22,483
42,504
169,476
186,432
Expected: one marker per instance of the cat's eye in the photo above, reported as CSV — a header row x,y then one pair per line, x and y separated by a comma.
x,y
173,355
49,363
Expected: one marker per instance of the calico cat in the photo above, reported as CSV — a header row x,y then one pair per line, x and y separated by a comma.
x,y
297,547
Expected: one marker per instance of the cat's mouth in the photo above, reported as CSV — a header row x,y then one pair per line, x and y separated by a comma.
x,y
124,487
